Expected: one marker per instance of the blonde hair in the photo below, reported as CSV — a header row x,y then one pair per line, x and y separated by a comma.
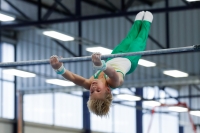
x,y
100,107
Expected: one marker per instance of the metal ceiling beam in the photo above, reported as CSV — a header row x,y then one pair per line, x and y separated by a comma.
x,y
65,48
131,21
96,4
17,9
101,16
45,17
111,5
50,10
185,2
156,42
167,25
122,5
147,2
197,87
64,7
39,10
78,13
46,7
129,3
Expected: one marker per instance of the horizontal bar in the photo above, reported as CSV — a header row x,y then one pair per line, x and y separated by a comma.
x,y
92,17
87,58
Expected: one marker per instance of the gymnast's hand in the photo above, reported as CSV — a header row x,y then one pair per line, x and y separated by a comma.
x,y
96,59
55,62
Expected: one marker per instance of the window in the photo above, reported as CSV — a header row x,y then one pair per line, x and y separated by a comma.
x,y
106,122
121,119
124,119
59,109
6,83
161,121
68,110
8,100
38,108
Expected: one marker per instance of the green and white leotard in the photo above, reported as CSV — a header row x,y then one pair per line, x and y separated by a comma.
x,y
121,65
135,41
96,75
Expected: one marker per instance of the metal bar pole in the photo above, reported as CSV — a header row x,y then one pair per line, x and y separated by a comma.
x,y
20,123
1,94
146,2
86,58
39,10
190,98
181,129
139,113
167,25
16,105
122,5
98,5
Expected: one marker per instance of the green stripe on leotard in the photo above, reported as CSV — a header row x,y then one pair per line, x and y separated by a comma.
x,y
96,75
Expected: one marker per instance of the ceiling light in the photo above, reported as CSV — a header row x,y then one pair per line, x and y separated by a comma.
x,y
4,17
18,73
102,50
178,109
128,97
58,35
146,63
151,103
196,113
175,73
60,82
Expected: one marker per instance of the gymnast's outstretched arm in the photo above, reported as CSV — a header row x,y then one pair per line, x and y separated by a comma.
x,y
115,78
76,79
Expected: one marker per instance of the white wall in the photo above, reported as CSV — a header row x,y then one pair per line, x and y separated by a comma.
x,y
41,128
6,126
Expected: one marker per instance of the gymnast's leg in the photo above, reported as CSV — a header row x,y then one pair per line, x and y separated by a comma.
x,y
132,34
139,44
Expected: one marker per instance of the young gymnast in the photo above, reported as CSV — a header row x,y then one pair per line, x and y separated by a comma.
x,y
111,72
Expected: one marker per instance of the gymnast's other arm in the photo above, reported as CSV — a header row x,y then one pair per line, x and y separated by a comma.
x,y
115,79
76,79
